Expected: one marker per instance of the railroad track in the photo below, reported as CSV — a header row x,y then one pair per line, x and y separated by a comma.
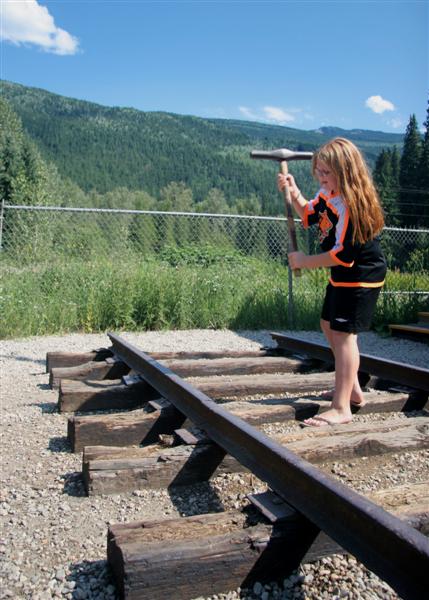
x,y
174,433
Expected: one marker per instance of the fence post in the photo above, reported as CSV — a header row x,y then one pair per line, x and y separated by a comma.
x,y
290,305
1,223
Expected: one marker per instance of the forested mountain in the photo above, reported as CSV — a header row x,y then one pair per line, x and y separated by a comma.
x,y
102,149
25,178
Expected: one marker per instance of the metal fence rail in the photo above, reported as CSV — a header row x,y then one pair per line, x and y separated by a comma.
x,y
39,233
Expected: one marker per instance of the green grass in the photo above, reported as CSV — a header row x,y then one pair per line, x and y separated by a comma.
x,y
131,294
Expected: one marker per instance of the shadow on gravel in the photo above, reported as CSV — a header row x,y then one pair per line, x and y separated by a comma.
x,y
196,499
45,407
73,484
43,386
59,444
91,579
37,361
195,475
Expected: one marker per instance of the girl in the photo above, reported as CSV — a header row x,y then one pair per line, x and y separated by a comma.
x,y
349,218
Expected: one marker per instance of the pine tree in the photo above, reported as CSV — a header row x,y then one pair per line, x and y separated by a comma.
x,y
385,175
25,178
423,176
409,201
396,166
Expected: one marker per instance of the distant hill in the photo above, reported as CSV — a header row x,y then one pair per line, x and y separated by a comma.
x,y
103,148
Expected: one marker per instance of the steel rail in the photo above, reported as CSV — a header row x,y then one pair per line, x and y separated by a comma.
x,y
393,550
401,373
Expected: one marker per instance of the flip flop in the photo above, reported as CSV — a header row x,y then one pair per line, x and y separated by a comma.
x,y
330,396
322,422
358,404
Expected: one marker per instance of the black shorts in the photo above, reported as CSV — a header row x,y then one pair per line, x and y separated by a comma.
x,y
349,309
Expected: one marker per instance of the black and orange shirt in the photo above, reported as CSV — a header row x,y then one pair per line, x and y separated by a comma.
x,y
358,265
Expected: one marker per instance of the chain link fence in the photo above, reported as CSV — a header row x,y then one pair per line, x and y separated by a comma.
x,y
36,234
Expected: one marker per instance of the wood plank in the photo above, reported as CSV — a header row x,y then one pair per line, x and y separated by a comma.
x,y
122,429
411,329
414,331
137,428
238,366
201,555
423,317
213,553
56,360
93,370
194,368
71,359
360,439
84,395
409,502
75,395
109,470
251,385
213,354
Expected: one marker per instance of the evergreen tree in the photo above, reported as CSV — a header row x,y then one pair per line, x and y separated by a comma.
x,y
396,166
214,203
409,200
176,197
385,177
249,206
25,178
102,149
423,176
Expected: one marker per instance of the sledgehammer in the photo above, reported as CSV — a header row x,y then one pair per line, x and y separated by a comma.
x,y
283,155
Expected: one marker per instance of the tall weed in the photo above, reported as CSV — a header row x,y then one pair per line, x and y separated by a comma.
x,y
131,294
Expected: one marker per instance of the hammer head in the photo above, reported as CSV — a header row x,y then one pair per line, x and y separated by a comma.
x,y
281,154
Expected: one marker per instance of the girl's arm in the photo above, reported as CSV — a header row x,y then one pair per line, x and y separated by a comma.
x,y
299,260
298,200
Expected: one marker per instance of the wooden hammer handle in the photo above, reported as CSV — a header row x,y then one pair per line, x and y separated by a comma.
x,y
293,246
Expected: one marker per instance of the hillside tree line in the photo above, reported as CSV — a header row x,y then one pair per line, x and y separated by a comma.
x,y
64,152
402,179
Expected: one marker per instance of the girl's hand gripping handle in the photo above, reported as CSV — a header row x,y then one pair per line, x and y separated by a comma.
x,y
293,246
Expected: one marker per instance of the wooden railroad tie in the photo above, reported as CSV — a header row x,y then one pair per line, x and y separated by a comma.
x,y
98,364
390,548
73,359
103,369
109,368
107,395
55,360
112,470
416,331
141,427
213,553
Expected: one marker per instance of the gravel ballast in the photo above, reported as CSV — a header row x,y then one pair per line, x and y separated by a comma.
x,y
54,537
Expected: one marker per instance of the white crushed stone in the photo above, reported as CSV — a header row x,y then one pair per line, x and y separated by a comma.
x,y
54,538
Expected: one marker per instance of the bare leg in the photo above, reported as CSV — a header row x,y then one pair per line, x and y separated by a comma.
x,y
357,396
346,368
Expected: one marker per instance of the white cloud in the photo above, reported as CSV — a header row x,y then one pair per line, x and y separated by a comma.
x,y
272,114
378,104
27,22
278,115
396,123
247,112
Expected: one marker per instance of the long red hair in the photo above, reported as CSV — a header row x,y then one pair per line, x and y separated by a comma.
x,y
355,185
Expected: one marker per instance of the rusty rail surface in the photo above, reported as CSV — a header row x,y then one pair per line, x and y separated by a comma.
x,y
393,550
401,373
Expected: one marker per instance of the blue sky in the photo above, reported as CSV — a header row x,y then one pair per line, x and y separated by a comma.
x,y
351,64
